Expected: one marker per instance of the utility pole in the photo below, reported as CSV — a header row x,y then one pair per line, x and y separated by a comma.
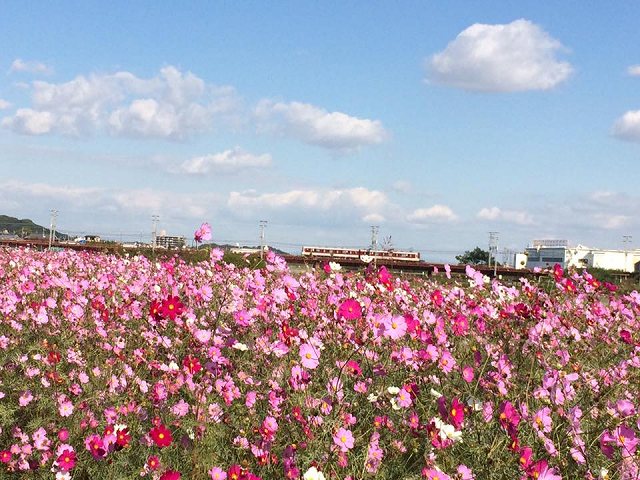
x,y
52,228
626,242
493,250
263,225
374,237
154,233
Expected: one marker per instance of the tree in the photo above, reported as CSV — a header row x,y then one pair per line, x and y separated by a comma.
x,y
477,256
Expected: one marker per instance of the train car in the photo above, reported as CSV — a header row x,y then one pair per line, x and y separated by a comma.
x,y
338,253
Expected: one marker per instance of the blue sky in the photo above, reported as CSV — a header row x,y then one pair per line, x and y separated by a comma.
x,y
437,121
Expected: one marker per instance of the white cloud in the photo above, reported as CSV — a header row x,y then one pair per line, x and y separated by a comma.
x,y
316,126
231,160
20,65
28,120
500,58
510,216
627,127
436,213
96,200
373,218
312,205
172,105
634,70
4,104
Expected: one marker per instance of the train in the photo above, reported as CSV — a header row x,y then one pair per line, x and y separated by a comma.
x,y
365,255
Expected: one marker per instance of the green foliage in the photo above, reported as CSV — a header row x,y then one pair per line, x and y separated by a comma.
x,y
477,256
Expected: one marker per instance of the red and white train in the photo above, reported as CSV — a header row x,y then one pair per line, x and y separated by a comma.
x,y
338,253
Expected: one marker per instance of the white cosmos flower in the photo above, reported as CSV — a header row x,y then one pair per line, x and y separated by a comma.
x,y
335,267
447,431
393,390
240,346
366,258
435,393
313,474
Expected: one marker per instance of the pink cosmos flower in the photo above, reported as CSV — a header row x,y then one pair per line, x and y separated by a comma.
x,y
65,408
467,374
343,439
309,356
202,234
216,473
433,474
394,327
404,399
541,471
626,439
25,399
460,325
542,420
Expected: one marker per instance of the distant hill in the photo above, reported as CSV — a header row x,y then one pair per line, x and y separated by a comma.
x,y
25,227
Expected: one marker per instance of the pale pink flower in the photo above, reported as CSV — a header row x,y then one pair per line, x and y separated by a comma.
x,y
343,439
309,356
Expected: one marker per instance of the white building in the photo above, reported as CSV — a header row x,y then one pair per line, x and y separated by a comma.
x,y
546,253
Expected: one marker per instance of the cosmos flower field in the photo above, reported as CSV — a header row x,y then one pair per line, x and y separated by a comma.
x,y
123,368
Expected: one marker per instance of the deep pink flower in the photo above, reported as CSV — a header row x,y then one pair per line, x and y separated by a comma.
x,y
161,436
350,309
170,475
172,307
66,460
5,456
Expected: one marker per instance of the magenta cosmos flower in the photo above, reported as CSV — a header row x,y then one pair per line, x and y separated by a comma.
x,y
309,356
350,309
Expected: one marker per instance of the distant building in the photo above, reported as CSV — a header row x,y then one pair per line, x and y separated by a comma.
x,y
92,238
245,250
170,242
547,253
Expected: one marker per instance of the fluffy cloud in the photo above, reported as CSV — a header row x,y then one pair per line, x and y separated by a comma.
x,y
20,65
353,203
94,201
4,104
500,58
508,216
634,70
228,161
172,105
436,213
316,126
627,127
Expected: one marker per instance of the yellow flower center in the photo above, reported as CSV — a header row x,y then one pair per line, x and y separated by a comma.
x,y
161,436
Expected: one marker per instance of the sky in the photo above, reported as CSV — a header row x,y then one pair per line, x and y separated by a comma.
x,y
438,122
